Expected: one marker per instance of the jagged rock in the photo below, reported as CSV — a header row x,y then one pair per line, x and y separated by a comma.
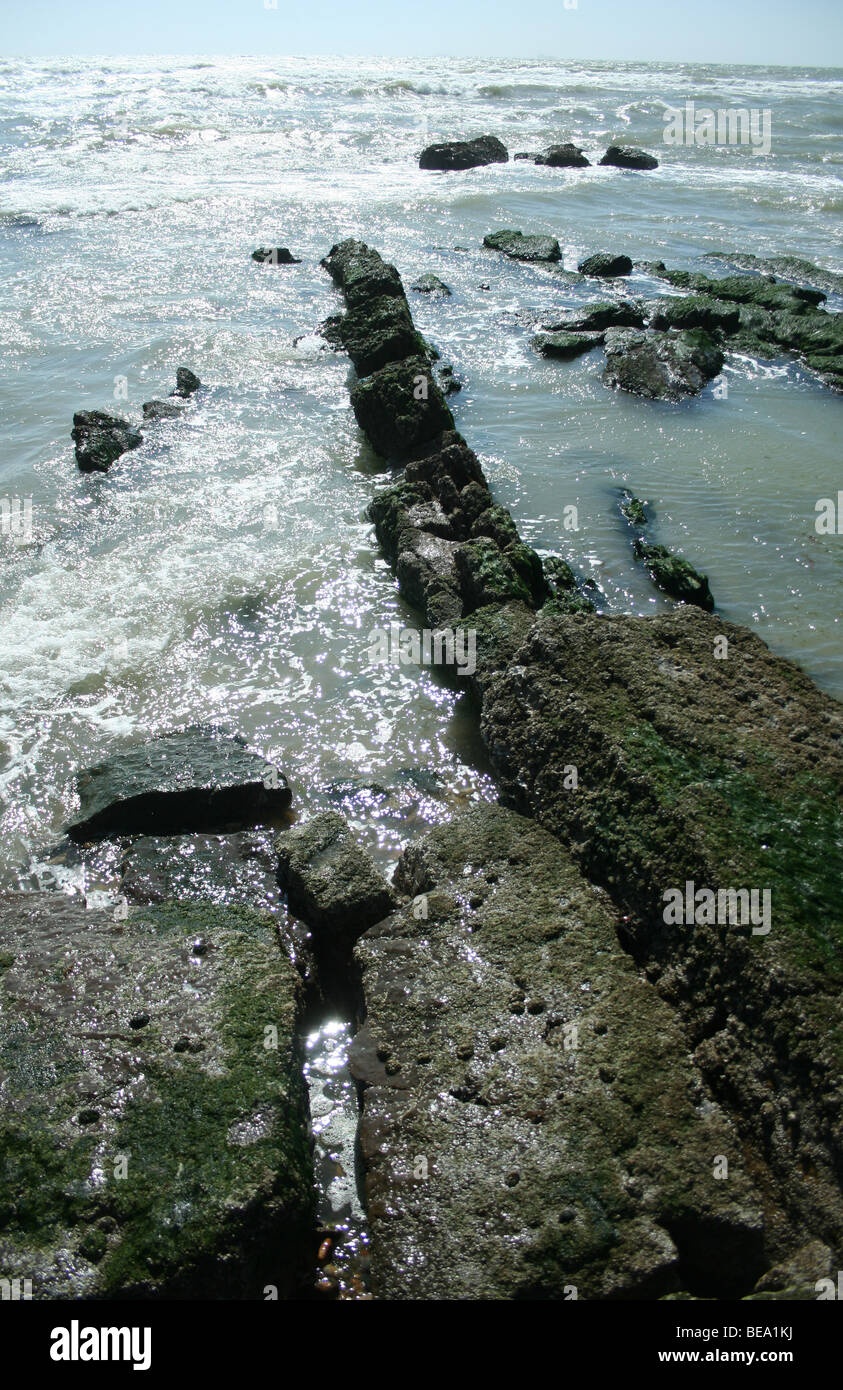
x,y
194,780
794,268
161,410
633,509
361,274
605,266
400,407
332,883
449,384
431,284
566,345
567,156
531,1121
186,382
275,255
628,157
661,366
377,331
704,759
464,154
674,575
594,318
151,1143
100,439
524,248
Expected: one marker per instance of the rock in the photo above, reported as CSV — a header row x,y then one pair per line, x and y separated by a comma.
x,y
532,155
224,869
195,780
153,1145
361,273
805,1267
633,509
464,154
566,345
531,1122
661,366
594,318
704,759
674,575
524,248
605,266
628,157
449,384
793,268
696,311
161,410
566,156
431,284
332,884
400,407
187,382
100,439
377,331
275,255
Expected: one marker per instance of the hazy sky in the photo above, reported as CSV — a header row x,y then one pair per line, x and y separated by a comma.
x,y
806,32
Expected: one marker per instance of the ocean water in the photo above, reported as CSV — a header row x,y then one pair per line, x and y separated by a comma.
x,y
225,570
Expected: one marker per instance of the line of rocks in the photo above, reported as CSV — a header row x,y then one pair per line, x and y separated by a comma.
x,y
449,155
101,438
687,769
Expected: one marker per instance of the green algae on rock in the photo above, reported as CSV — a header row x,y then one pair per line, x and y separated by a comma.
x,y
532,1124
154,1140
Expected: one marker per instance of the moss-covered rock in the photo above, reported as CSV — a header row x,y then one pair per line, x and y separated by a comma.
x,y
660,366
675,575
524,248
154,1132
605,266
400,407
566,346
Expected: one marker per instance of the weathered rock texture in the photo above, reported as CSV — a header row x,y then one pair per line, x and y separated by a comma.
x,y
332,883
661,366
151,1143
464,154
100,439
531,1119
194,780
524,248
628,157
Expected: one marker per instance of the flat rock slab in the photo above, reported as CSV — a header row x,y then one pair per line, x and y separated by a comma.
x,y
151,1143
332,883
223,869
660,366
531,1121
195,780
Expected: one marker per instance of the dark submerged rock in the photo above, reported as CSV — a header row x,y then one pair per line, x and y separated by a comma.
x,y
464,154
524,248
187,382
674,575
275,255
116,1041
223,869
100,439
195,780
161,410
594,318
628,157
431,284
605,266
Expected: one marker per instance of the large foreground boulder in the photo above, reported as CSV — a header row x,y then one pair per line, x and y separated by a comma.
x,y
628,157
661,366
532,1127
195,780
464,154
100,439
154,1129
705,766
400,407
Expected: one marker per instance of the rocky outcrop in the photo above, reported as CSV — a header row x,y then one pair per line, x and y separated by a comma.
x,y
154,1131
431,284
193,780
594,318
566,345
275,255
332,884
706,766
674,575
661,366
464,154
400,408
524,248
567,156
792,268
100,439
604,265
187,382
532,1126
628,157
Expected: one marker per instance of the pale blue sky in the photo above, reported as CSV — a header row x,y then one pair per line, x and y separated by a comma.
x,y
806,32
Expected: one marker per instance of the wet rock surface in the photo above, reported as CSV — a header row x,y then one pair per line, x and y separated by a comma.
x,y
151,1143
566,345
197,779
238,868
275,255
629,157
674,575
564,156
100,439
524,248
605,266
660,366
531,1121
464,154
723,772
331,882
